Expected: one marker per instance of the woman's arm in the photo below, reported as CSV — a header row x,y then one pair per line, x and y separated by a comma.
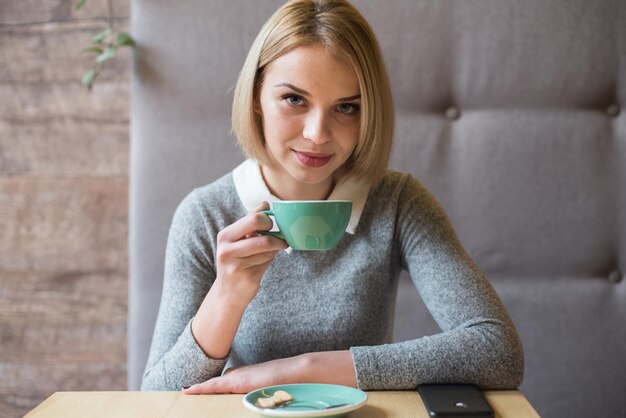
x,y
242,258
202,305
175,357
478,343
334,367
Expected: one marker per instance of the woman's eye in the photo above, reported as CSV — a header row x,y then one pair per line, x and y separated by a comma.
x,y
294,100
348,108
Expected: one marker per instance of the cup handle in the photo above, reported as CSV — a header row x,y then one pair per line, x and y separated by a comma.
x,y
276,234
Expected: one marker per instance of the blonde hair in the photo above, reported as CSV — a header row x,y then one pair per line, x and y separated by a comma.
x,y
342,30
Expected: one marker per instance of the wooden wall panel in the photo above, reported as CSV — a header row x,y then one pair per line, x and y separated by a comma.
x,y
98,9
46,52
63,224
63,147
63,321
29,11
63,205
36,103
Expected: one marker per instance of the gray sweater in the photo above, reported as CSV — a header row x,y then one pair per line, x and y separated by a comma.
x,y
341,299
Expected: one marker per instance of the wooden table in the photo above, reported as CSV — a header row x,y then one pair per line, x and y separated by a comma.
x,y
392,404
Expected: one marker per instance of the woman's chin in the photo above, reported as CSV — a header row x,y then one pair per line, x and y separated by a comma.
x,y
311,176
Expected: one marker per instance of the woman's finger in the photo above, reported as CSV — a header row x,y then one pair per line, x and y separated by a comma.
x,y
215,385
263,206
249,224
258,259
253,246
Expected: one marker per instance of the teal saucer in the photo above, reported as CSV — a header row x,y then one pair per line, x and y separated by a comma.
x,y
309,400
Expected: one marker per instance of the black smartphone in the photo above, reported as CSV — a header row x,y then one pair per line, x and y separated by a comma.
x,y
454,401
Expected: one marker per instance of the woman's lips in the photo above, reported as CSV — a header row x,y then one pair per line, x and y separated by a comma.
x,y
312,159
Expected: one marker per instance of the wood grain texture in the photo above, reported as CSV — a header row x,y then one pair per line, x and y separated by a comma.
x,y
63,204
51,52
57,319
33,103
63,300
63,224
38,381
407,404
34,10
28,11
63,147
98,9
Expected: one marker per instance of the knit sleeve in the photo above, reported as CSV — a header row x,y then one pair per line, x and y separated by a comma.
x,y
175,358
478,342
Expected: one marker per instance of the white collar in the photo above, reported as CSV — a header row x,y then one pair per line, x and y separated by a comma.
x,y
252,190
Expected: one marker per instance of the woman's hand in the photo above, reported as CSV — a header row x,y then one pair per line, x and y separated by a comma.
x,y
247,378
325,367
242,258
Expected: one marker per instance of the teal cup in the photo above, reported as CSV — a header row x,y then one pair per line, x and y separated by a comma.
x,y
310,224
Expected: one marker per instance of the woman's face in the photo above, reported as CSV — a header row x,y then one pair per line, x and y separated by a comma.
x,y
310,107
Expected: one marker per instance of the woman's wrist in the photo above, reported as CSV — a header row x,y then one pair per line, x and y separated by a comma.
x,y
229,299
334,367
216,322
235,290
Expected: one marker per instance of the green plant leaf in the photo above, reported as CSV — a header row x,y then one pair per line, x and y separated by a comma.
x,y
124,39
79,4
94,49
88,78
106,55
101,36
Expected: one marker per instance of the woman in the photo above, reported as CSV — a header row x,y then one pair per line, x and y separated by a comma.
x,y
313,113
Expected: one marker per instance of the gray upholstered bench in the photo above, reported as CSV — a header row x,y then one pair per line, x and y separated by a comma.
x,y
509,111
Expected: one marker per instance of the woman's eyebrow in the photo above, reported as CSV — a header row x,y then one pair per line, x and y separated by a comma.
x,y
306,93
296,89
347,99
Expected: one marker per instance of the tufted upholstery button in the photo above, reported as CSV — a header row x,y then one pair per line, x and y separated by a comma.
x,y
613,110
453,113
615,276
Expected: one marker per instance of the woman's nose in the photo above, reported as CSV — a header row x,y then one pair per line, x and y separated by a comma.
x,y
316,128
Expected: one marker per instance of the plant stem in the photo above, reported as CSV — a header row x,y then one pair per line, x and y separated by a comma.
x,y
110,8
